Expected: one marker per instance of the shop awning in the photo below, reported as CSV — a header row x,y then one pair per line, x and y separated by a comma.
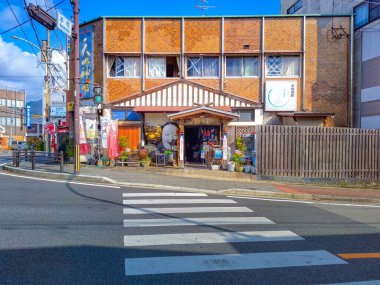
x,y
203,110
156,109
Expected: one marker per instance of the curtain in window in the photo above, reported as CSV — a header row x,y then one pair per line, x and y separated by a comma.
x,y
119,66
156,67
290,66
179,66
234,66
210,66
132,66
111,66
250,66
194,67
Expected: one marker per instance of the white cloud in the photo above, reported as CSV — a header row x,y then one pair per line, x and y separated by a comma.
x,y
19,69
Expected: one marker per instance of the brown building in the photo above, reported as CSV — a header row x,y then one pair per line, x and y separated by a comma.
x,y
201,71
12,103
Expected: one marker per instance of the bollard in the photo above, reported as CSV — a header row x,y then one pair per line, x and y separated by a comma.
x,y
61,162
14,158
17,158
26,155
32,156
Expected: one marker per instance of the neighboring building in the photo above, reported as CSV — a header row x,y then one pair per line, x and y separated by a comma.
x,y
367,65
36,128
366,51
12,103
217,74
320,7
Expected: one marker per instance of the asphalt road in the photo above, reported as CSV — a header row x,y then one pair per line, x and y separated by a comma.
x,y
70,233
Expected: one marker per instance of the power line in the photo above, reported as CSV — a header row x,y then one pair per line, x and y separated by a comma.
x,y
20,24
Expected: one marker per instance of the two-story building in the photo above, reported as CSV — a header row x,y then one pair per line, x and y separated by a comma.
x,y
215,76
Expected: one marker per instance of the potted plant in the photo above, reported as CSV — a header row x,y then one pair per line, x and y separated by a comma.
x,y
123,157
123,143
146,162
238,156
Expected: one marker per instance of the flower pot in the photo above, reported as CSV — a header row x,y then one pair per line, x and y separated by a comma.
x,y
214,167
239,168
143,153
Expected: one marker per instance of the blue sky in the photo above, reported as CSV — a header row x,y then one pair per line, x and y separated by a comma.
x,y
18,64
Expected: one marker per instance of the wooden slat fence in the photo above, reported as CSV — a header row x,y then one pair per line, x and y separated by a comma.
x,y
318,152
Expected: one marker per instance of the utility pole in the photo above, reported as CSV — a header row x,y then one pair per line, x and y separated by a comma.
x,y
76,86
47,58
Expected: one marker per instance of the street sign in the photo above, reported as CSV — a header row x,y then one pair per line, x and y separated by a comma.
x,y
64,24
27,117
58,111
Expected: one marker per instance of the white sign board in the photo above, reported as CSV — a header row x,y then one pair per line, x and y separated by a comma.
x,y
181,148
58,111
225,147
281,95
64,24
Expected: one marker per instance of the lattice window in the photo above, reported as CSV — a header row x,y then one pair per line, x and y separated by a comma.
x,y
157,67
119,66
194,66
274,65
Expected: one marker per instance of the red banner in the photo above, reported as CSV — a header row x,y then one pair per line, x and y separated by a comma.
x,y
84,148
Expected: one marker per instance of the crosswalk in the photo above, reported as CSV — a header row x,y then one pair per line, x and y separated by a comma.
x,y
177,210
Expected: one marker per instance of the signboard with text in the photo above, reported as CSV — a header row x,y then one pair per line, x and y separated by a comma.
x,y
64,24
281,95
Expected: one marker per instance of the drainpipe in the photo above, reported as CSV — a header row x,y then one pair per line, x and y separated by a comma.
x,y
303,65
351,104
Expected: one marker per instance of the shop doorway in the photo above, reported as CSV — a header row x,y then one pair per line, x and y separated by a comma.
x,y
195,139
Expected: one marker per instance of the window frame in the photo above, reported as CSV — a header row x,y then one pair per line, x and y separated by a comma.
x,y
238,110
361,5
201,76
242,66
129,56
295,7
147,67
282,76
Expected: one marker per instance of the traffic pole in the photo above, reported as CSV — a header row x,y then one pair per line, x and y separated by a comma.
x,y
76,88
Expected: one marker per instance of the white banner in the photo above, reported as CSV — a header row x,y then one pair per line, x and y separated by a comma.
x,y
224,147
104,122
181,152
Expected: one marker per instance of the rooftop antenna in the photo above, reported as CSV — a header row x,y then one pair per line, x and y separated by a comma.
x,y
203,7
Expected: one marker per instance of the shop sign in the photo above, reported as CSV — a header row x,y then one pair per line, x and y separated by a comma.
x,y
218,153
64,24
49,128
27,116
58,111
281,95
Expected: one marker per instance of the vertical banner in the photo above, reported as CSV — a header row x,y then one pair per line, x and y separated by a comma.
x,y
113,141
225,148
181,150
27,117
91,129
82,135
86,61
104,122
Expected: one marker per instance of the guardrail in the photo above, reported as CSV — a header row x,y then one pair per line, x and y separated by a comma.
x,y
38,156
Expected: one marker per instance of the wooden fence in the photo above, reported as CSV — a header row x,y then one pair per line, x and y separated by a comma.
x,y
318,152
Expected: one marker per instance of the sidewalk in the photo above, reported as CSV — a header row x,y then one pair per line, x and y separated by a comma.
x,y
218,182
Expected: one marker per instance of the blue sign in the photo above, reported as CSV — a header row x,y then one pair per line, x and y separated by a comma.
x,y
27,117
218,154
86,61
118,115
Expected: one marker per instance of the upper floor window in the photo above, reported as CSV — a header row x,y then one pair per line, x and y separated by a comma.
x,y
361,15
374,10
282,66
124,66
203,66
163,66
245,66
245,115
295,7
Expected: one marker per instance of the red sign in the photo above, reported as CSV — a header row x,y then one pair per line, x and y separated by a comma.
x,y
49,128
84,148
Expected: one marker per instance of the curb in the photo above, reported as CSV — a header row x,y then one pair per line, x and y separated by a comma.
x,y
61,176
238,192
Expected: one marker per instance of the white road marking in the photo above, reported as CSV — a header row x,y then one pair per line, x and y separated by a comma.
x,y
61,181
196,221
178,201
218,237
371,282
305,202
158,194
203,263
186,210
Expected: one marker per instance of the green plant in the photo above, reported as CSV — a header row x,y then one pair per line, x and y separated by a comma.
x,y
123,142
123,156
70,148
238,156
146,161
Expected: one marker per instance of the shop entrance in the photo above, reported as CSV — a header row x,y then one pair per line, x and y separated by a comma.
x,y
196,137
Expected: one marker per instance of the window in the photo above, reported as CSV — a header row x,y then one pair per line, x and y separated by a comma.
x,y
9,122
203,66
282,66
374,10
361,15
3,102
296,6
163,66
120,66
19,104
245,115
3,121
246,66
18,122
9,103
